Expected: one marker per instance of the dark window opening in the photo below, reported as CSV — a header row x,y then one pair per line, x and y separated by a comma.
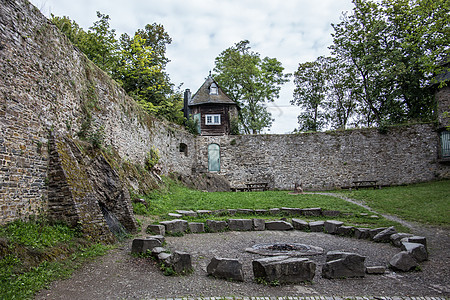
x,y
184,148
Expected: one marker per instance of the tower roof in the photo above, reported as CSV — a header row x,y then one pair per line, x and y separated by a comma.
x,y
204,95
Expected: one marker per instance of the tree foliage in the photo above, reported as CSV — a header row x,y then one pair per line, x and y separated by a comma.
x,y
137,63
251,82
388,53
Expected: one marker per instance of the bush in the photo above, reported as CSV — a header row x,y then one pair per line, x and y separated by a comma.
x,y
152,159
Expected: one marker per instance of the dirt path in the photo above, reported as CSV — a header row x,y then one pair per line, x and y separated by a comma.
x,y
121,276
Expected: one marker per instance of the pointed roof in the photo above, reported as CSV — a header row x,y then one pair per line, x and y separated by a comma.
x,y
203,96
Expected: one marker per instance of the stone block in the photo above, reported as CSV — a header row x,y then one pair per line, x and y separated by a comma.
x,y
187,213
175,215
300,224
261,212
259,224
181,262
291,211
373,232
240,224
274,211
175,226
418,251
418,239
160,238
331,213
362,233
331,226
343,265
142,245
345,230
157,251
245,211
315,212
225,268
231,211
216,226
196,227
396,239
278,225
164,257
156,229
316,226
203,212
403,261
284,269
385,235
376,270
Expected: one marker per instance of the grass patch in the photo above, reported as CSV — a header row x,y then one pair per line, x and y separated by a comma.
x,y
427,203
35,253
176,196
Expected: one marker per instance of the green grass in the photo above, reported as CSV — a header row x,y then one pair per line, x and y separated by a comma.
x,y
20,276
175,196
427,203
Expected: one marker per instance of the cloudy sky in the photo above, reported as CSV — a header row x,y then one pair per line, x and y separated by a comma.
x,y
292,31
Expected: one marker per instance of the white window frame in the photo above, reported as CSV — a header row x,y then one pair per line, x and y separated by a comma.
x,y
213,89
212,119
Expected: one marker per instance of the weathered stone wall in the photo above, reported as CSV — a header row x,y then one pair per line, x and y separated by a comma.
x,y
443,100
49,85
405,154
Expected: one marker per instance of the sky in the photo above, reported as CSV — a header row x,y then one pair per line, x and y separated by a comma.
x,y
292,31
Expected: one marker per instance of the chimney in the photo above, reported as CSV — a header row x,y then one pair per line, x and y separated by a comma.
x,y
187,98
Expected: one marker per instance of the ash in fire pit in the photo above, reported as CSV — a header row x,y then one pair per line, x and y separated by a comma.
x,y
291,249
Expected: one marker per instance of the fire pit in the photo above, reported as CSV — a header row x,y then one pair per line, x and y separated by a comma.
x,y
290,249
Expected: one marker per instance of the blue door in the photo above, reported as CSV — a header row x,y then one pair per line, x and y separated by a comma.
x,y
214,158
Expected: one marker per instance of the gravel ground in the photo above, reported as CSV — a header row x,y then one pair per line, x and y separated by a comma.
x,y
120,276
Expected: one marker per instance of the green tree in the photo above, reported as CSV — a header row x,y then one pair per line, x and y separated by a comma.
x,y
396,48
251,82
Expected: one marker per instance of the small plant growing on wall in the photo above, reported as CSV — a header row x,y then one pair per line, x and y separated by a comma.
x,y
151,159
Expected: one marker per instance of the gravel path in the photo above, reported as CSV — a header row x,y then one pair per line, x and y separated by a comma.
x,y
120,276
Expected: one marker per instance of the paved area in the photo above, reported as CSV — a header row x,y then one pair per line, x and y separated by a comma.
x,y
305,298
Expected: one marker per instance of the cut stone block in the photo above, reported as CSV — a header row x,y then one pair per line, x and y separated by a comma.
x,y
375,231
245,211
343,265
175,226
316,226
226,268
331,226
196,227
385,235
261,211
181,262
300,224
362,233
204,212
284,269
315,212
216,226
259,224
278,225
240,224
345,230
274,211
403,261
291,211
231,211
418,239
164,257
157,251
418,251
142,245
187,213
156,229
331,213
160,238
396,238
174,215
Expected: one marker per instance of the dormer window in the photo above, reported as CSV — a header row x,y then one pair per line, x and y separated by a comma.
x,y
213,90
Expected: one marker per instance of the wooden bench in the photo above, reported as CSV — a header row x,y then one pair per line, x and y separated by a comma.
x,y
252,186
365,184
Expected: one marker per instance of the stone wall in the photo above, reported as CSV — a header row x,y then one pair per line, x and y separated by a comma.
x,y
405,154
443,100
49,85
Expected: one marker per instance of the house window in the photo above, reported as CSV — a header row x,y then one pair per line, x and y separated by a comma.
x,y
213,90
445,144
184,149
212,119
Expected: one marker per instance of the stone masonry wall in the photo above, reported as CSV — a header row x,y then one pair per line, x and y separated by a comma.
x,y
405,154
49,85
